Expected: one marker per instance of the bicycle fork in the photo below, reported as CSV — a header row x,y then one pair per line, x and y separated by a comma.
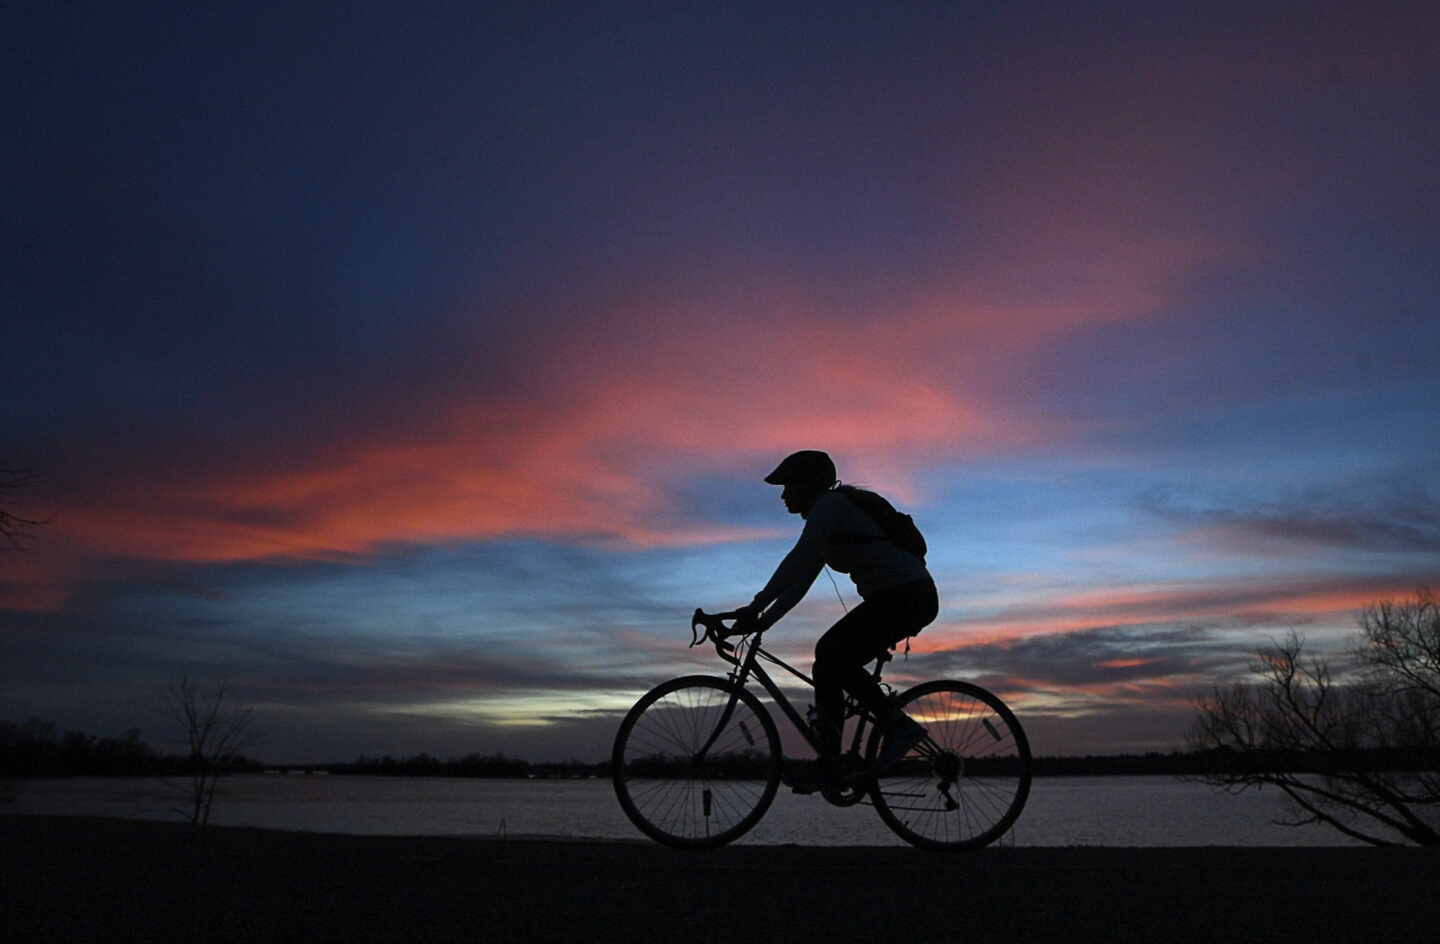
x,y
725,716
706,795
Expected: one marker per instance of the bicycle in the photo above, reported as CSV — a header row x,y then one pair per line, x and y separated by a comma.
x,y
697,760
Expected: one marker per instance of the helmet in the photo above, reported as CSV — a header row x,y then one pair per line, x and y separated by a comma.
x,y
806,467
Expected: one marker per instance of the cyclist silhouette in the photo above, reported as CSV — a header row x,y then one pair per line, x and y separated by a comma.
x,y
898,599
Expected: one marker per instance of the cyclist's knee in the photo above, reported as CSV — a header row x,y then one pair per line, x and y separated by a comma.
x,y
825,652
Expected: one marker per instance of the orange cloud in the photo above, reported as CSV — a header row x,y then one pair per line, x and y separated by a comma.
x,y
1124,663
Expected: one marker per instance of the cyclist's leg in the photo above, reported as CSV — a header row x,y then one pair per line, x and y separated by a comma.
x,y
840,658
860,637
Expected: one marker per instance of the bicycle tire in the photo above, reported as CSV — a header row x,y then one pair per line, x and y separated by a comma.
x,y
666,793
963,786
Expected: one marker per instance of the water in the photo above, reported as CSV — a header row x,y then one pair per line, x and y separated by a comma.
x,y
1062,811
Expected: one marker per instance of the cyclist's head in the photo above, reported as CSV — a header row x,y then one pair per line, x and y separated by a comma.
x,y
805,474
809,468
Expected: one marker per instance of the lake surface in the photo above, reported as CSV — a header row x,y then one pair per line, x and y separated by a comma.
x,y
1062,811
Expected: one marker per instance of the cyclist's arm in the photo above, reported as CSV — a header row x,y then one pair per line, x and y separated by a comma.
x,y
792,579
783,603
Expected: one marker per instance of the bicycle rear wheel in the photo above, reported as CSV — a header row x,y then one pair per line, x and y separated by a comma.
x,y
966,782
669,790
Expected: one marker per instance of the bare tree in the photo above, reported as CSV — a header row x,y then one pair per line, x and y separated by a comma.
x,y
1360,753
13,526
216,731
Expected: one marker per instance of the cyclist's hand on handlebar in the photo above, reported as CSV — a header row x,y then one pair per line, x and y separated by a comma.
x,y
744,622
743,626
747,620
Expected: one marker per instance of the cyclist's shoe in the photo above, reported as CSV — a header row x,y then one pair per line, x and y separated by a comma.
x,y
904,734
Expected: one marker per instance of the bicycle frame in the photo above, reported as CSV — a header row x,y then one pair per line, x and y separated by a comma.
x,y
749,667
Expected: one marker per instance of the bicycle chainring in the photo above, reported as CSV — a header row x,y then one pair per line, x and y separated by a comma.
x,y
847,794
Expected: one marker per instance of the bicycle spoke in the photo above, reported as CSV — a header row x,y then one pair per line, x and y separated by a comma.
x,y
953,790
672,792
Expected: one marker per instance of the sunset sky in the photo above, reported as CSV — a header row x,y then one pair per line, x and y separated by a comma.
x,y
415,367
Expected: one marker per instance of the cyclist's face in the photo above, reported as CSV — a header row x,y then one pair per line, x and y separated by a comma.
x,y
798,498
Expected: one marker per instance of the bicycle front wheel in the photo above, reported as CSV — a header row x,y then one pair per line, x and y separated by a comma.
x,y
696,762
966,782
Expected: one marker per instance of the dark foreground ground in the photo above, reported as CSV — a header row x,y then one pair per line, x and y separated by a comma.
x,y
81,879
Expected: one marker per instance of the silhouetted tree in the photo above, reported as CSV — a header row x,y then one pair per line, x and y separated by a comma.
x,y
35,749
13,526
215,731
1360,755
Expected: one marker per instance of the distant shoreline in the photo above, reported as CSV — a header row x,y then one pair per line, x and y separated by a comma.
x,y
83,878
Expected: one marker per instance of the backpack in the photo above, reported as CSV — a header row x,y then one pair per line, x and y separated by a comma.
x,y
899,528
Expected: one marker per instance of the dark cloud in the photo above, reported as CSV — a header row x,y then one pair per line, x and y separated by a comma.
x,y
1108,690
1384,516
1212,603
1127,728
543,621
1111,655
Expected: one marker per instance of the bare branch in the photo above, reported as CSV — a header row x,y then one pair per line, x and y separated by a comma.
x,y
13,526
1347,754
215,731
1319,816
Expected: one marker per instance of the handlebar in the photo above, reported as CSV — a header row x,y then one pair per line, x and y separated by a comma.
x,y
715,631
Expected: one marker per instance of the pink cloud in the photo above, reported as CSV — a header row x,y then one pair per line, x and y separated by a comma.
x,y
1124,663
590,456
1217,602
684,372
